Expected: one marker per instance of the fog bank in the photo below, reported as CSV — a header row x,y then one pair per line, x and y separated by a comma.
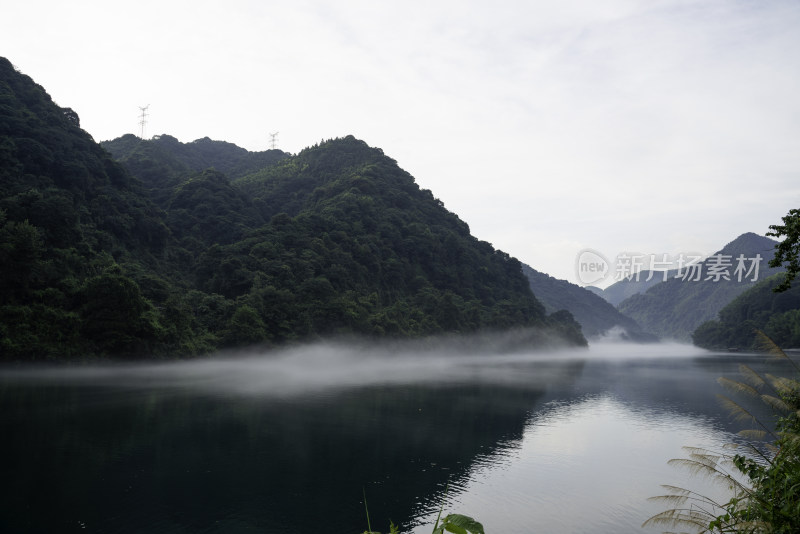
x,y
350,364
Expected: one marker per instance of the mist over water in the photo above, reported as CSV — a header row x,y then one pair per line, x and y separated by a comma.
x,y
555,440
339,365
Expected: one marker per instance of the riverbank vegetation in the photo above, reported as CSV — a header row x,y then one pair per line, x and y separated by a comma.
x,y
764,478
777,314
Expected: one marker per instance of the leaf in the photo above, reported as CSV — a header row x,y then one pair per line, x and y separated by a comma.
x,y
751,376
671,500
766,344
737,387
776,403
461,524
783,385
736,410
699,467
677,489
369,527
754,435
678,518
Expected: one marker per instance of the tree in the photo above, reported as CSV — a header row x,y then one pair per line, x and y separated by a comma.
x,y
245,327
116,317
21,249
788,250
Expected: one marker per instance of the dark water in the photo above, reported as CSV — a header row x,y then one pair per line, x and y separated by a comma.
x,y
562,442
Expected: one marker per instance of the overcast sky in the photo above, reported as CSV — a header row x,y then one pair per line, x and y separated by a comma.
x,y
653,126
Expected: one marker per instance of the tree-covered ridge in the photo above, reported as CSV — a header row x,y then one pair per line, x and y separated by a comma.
x,y
199,155
627,287
318,172
674,308
748,243
353,245
170,258
759,308
595,315
55,176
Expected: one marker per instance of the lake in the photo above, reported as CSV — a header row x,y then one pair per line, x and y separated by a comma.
x,y
565,441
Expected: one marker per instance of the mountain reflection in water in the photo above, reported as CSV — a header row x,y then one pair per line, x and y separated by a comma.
x,y
573,441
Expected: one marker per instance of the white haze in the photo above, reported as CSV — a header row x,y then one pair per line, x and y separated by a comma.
x,y
321,367
659,126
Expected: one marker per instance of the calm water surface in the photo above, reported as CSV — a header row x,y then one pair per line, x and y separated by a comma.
x,y
561,442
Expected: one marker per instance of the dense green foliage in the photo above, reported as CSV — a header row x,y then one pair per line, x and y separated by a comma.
x,y
759,308
774,505
68,215
788,250
170,257
675,308
595,315
163,162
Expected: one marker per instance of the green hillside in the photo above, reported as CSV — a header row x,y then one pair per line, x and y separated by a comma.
x,y
176,157
69,217
776,314
162,256
673,309
626,288
593,313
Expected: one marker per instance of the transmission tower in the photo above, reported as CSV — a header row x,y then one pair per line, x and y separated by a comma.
x,y
143,119
273,140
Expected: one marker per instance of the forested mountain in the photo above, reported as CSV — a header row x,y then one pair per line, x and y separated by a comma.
x,y
166,257
199,155
69,215
628,287
593,313
673,309
776,314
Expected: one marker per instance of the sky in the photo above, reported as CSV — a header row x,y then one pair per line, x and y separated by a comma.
x,y
619,126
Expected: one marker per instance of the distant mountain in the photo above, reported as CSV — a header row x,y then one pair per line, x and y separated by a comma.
x,y
627,287
595,315
160,255
596,290
673,309
776,314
